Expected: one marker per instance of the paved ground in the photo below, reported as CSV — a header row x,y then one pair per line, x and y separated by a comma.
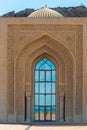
x,y
27,127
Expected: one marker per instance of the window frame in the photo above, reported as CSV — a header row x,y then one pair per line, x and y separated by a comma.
x,y
51,86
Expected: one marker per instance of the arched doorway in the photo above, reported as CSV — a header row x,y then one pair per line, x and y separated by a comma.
x,y
45,91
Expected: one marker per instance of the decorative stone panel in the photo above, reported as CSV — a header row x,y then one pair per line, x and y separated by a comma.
x,y
10,66
79,74
62,89
28,39
29,50
27,33
68,38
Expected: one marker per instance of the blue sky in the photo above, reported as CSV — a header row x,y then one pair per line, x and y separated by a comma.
x,y
17,5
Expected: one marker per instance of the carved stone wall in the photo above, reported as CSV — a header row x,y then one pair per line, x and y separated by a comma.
x,y
24,40
24,34
69,88
10,65
79,74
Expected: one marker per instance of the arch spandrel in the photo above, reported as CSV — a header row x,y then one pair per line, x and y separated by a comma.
x,y
44,38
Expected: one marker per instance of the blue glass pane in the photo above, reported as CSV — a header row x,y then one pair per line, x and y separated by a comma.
x,y
51,64
53,99
42,76
53,109
41,109
42,88
48,75
48,87
36,87
41,99
45,67
53,87
53,76
48,99
45,59
36,99
48,109
39,64
36,75
45,64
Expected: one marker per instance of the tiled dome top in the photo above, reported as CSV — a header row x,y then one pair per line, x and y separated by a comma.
x,y
45,13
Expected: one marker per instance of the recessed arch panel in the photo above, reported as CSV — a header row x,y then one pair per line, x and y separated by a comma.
x,y
24,68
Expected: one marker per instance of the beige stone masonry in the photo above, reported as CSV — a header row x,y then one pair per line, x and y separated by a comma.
x,y
23,41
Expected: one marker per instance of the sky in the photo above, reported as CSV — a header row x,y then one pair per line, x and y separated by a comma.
x,y
18,5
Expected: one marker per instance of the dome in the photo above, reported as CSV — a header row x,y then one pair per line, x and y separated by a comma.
x,y
45,13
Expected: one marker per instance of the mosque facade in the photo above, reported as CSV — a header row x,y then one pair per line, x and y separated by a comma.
x,y
43,69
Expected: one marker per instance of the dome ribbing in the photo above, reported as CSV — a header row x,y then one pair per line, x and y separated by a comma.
x,y
45,13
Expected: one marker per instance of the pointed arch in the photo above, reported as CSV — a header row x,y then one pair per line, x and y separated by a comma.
x,y
47,38
44,90
24,64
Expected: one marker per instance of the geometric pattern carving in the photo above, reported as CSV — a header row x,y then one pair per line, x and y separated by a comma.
x,y
25,34
69,88
18,37
23,37
68,38
79,73
62,90
10,65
